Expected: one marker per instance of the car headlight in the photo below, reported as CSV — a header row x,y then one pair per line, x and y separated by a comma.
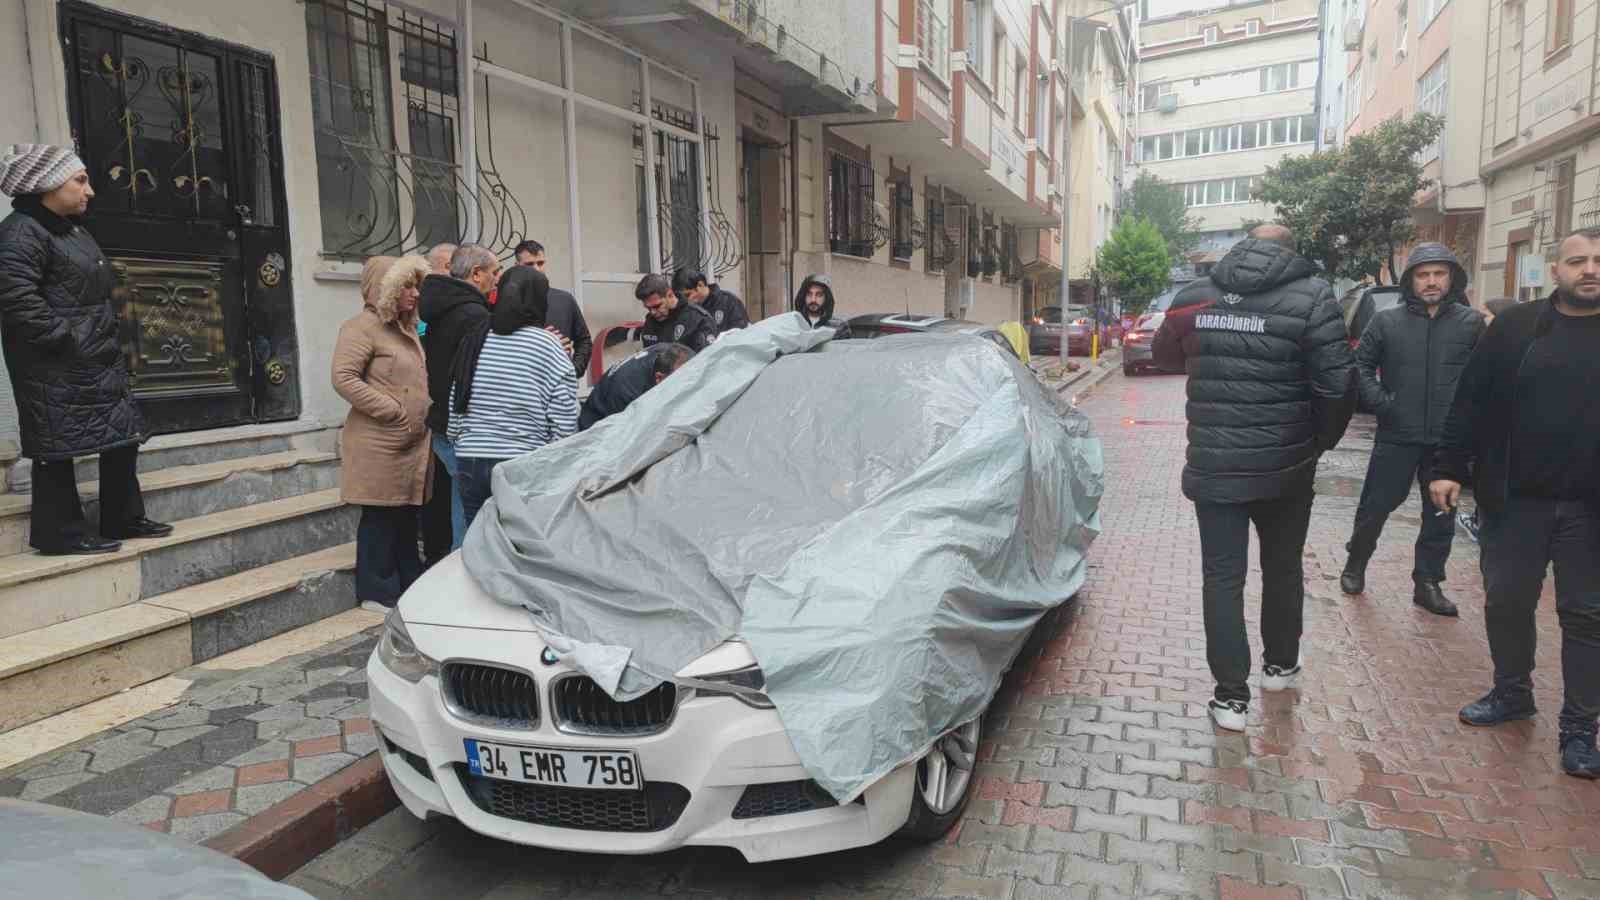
x,y
746,685
399,654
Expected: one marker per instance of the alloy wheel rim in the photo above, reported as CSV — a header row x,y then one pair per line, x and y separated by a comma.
x,y
945,772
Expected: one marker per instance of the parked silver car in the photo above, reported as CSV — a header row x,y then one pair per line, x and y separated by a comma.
x,y
1136,344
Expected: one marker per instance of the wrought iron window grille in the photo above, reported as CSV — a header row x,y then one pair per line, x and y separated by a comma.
x,y
850,212
708,243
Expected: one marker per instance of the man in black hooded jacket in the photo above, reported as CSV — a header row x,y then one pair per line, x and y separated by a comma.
x,y
814,302
1410,359
1271,387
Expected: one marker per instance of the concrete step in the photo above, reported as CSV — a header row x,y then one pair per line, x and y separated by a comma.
x,y
197,448
39,591
67,664
185,492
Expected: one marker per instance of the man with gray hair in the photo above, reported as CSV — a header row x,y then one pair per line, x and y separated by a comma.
x,y
452,306
439,258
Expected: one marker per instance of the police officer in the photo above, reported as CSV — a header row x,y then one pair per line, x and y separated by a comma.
x,y
670,319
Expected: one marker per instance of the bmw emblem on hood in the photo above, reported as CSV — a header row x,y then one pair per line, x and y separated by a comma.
x,y
549,657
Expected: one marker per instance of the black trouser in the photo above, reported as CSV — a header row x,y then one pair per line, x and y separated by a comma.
x,y
386,553
57,517
1519,543
1281,526
1391,471
476,475
437,531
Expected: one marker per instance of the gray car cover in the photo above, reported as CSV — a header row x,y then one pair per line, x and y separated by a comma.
x,y
881,521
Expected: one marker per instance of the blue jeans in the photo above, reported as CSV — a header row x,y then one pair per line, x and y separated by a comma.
x,y
386,553
446,452
474,483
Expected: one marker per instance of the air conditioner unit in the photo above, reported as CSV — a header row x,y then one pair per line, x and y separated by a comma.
x,y
1167,103
1352,34
1330,135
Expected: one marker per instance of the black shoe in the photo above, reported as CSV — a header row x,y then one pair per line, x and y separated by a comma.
x,y
1579,758
1353,581
1432,599
139,528
84,546
1499,706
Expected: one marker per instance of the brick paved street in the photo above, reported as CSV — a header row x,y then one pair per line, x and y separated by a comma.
x,y
1104,778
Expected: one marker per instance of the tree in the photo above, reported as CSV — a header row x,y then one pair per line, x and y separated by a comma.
x,y
1350,207
1135,262
1161,203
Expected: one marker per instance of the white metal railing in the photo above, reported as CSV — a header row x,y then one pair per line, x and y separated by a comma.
x,y
933,38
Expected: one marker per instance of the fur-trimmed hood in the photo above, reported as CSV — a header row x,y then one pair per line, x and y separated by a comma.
x,y
401,272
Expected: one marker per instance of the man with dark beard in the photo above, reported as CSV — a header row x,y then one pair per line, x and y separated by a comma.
x,y
1409,361
814,301
1525,425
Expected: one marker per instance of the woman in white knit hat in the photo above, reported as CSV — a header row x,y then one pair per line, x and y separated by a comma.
x,y
63,349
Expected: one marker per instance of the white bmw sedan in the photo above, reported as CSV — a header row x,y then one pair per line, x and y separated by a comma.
x,y
482,722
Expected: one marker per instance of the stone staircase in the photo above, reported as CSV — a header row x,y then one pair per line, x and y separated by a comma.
x,y
261,544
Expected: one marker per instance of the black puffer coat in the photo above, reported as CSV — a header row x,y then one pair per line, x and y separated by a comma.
x,y
1271,376
1410,363
62,339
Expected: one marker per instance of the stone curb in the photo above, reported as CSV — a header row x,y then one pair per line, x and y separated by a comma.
x,y
1108,365
285,837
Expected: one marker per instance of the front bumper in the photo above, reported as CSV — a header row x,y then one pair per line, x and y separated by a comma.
x,y
713,748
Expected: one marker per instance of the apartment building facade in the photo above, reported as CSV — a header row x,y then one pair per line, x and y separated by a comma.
x,y
1223,94
1400,59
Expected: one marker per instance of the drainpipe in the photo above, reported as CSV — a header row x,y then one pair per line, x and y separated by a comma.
x,y
1322,70
789,281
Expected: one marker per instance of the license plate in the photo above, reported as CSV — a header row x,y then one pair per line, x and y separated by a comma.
x,y
604,770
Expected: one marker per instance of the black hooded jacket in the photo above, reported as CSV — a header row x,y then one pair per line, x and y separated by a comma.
x,y
1410,363
687,324
1271,377
452,309
841,327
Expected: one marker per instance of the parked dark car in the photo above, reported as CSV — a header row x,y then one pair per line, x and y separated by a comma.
x,y
1374,301
1136,355
876,325
1047,328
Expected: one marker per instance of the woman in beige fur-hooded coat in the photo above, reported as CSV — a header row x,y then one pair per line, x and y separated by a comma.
x,y
387,468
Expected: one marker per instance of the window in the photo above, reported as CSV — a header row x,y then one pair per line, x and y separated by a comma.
x,y
1430,99
1166,146
977,46
1401,37
1558,26
937,254
1221,191
1352,103
1280,131
354,133
933,37
1208,34
1150,96
1562,200
1430,11
1019,94
1281,77
1041,110
1252,28
904,211
849,206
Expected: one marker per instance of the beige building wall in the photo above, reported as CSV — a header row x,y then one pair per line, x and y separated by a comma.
x,y
1539,158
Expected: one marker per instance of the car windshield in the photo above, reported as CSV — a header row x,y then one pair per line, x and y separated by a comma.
x,y
1162,303
1076,313
1050,315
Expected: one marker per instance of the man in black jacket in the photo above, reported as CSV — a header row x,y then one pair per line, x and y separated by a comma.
x,y
814,301
629,380
1410,359
725,308
451,306
670,318
1271,387
1527,428
563,317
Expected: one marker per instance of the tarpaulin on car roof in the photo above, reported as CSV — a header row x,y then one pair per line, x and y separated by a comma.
x,y
882,522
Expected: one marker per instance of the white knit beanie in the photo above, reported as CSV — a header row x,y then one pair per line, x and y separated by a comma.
x,y
36,168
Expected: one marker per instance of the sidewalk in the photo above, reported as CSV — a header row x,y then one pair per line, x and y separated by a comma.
x,y
244,736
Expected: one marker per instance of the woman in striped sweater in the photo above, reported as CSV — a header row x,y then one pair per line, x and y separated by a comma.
x,y
515,389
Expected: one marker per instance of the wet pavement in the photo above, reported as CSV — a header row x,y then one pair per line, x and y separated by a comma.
x,y
1103,777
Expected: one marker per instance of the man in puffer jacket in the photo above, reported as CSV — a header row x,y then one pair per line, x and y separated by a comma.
x,y
1410,359
1271,387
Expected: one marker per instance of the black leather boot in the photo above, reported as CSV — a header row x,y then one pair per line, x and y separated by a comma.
x,y
1432,599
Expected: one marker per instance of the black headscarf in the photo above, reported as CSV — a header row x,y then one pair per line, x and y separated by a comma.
x,y
522,299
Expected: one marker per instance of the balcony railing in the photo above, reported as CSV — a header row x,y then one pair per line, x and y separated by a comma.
x,y
933,39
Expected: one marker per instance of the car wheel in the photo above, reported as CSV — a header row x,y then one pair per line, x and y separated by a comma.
x,y
943,784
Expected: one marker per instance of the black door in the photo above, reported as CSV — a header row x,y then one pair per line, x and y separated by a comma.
x,y
180,135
